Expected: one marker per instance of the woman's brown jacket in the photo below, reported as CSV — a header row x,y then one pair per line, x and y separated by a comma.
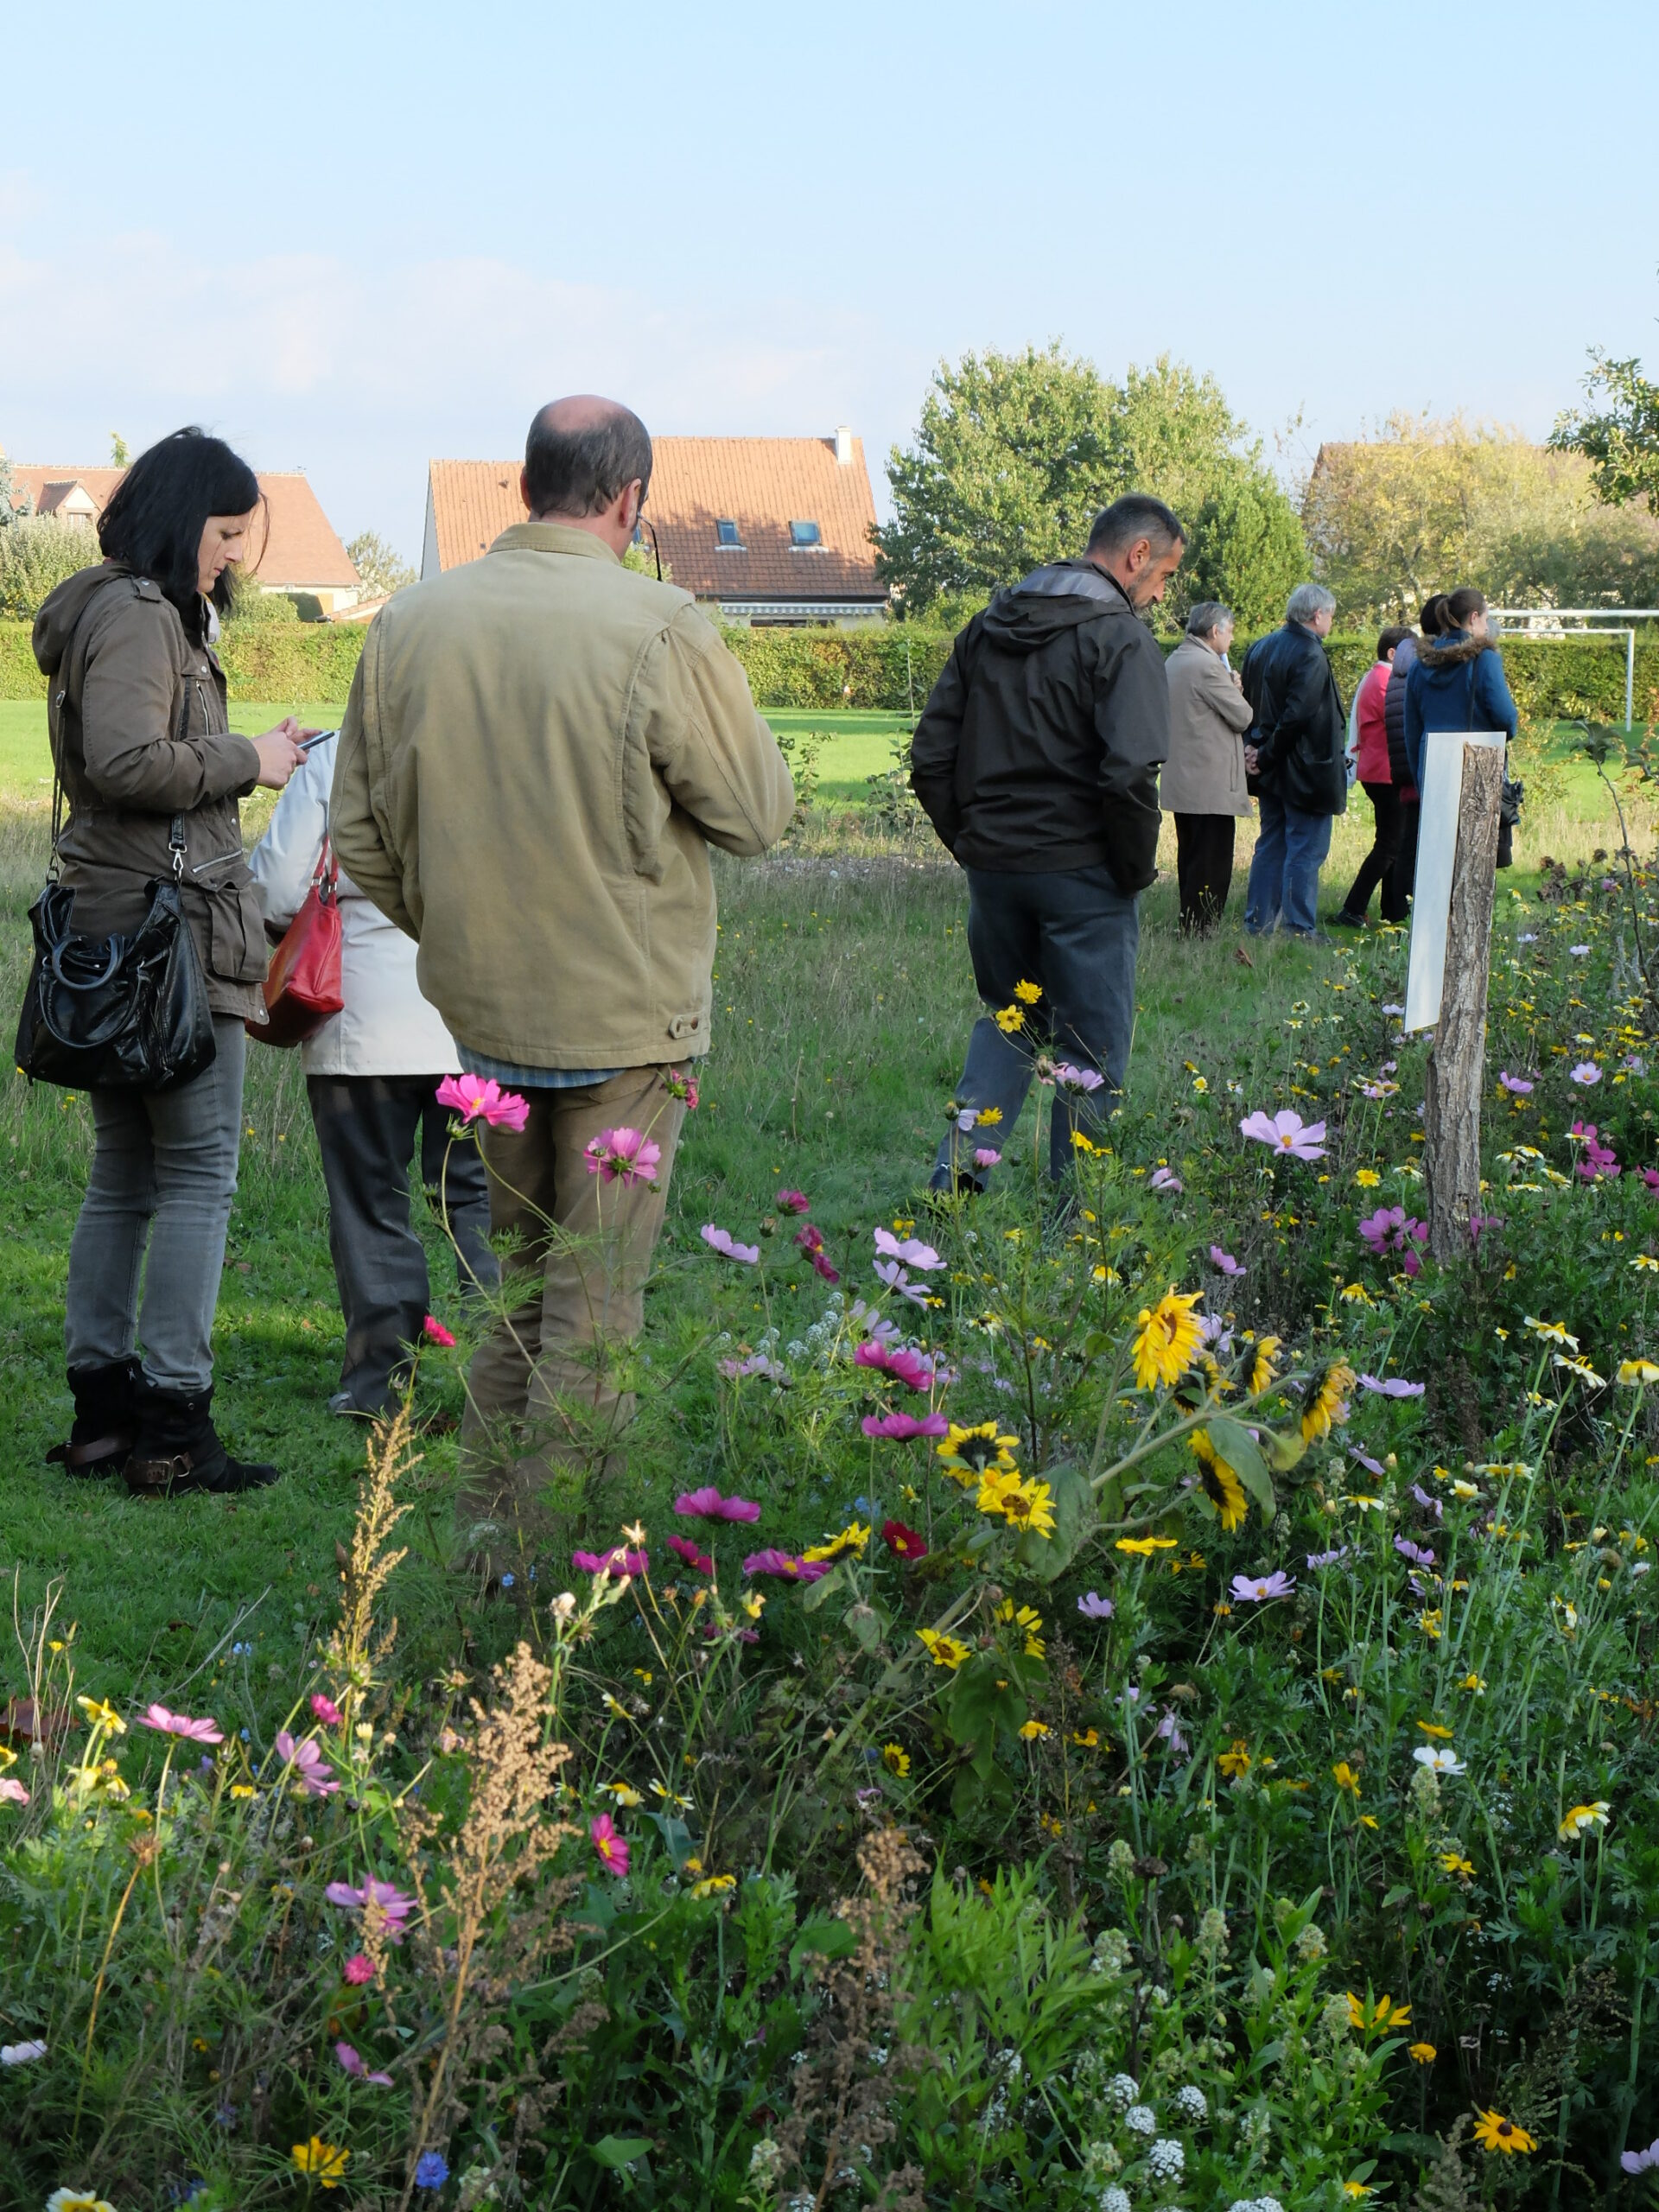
x,y
140,733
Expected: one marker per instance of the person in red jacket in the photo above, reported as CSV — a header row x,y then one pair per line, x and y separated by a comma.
x,y
1371,764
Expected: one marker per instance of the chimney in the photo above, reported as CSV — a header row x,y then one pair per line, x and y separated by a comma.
x,y
843,445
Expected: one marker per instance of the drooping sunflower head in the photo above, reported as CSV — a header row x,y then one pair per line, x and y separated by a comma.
x,y
1170,1334
1262,1367
1218,1482
1329,1403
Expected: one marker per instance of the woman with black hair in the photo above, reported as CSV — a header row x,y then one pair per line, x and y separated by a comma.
x,y
142,743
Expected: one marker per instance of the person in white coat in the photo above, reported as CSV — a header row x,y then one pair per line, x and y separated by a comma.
x,y
372,1073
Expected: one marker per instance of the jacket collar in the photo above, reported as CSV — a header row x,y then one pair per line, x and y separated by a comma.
x,y
553,537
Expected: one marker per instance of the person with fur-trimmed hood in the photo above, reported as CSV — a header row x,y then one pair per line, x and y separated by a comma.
x,y
1457,682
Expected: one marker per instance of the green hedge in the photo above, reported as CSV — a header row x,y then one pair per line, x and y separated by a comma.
x,y
883,667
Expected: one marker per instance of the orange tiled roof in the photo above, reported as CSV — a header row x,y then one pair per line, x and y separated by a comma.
x,y
302,552
760,484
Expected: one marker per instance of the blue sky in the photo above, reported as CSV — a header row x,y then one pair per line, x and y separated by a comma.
x,y
351,241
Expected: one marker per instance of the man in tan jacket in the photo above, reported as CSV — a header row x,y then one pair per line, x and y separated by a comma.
x,y
538,751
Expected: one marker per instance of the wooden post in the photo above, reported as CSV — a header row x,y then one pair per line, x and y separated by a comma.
x,y
1457,1060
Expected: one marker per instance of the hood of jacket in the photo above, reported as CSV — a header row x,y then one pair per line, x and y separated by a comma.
x,y
62,609
1052,598
1453,650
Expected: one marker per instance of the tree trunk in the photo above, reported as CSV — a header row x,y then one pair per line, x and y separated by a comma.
x,y
1457,1061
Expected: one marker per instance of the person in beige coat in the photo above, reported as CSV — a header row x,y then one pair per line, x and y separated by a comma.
x,y
538,750
1203,781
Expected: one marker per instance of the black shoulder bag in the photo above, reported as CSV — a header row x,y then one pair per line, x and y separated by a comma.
x,y
116,1013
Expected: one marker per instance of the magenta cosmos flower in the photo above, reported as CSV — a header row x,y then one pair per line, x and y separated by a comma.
x,y
480,1098
903,1427
612,1849
682,1547
622,1156
721,1241
177,1723
1286,1133
1252,1589
794,1202
708,1504
306,1759
903,1365
435,1332
353,2065
619,1561
389,1901
326,1710
784,1566
357,1969
909,1250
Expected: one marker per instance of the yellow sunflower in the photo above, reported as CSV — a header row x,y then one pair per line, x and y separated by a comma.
x,y
1324,1409
1218,1482
1261,1368
1169,1339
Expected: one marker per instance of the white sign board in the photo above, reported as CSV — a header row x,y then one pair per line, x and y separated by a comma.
x,y
1437,849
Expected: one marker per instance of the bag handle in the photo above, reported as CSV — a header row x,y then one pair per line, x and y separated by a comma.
x,y
325,877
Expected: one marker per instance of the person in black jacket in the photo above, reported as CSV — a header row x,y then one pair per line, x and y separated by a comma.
x,y
1393,723
1295,750
1037,759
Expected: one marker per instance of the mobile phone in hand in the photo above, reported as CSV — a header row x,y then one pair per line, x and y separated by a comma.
x,y
306,743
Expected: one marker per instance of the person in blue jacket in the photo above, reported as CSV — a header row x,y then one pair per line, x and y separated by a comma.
x,y
1457,682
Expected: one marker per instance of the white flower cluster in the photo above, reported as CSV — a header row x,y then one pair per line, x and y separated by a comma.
x,y
1113,2199
1166,2161
1256,2204
1121,2091
1192,2105
1140,2120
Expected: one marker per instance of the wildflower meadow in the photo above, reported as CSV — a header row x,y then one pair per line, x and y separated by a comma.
x,y
1135,1696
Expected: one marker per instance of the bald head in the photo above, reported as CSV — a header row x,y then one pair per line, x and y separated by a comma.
x,y
583,455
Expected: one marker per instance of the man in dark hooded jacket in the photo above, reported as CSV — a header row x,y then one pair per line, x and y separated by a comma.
x,y
1037,760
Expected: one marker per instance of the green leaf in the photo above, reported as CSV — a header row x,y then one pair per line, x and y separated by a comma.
x,y
869,1624
815,1593
1239,1448
615,2151
1398,1894
821,1937
1073,1501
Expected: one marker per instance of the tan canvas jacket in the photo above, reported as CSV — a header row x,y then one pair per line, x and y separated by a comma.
x,y
538,750
1208,716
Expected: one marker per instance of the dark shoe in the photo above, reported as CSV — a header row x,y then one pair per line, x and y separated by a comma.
x,y
106,1412
176,1452
1341,919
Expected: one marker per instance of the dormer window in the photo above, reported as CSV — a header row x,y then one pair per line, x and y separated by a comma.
x,y
726,535
802,535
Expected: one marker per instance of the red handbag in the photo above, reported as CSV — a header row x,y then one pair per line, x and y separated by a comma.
x,y
302,988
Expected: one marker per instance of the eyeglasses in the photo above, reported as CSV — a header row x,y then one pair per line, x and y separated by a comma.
x,y
640,525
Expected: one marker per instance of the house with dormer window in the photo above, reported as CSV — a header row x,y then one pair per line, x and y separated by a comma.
x,y
762,531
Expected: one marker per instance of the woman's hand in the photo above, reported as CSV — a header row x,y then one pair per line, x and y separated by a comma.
x,y
280,752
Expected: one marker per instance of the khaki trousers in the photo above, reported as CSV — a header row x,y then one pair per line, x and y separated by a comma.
x,y
542,1401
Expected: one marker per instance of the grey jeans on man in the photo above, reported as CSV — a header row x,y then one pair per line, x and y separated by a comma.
x,y
163,1177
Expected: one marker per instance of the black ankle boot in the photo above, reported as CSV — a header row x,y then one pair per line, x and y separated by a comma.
x,y
176,1452
106,1409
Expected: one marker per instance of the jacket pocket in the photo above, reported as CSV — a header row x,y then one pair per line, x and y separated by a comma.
x,y
236,935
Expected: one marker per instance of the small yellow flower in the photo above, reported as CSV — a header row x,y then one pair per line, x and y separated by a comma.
x,y
1637,1371
1144,1547
1346,1778
1367,1178
1553,1332
1494,2132
77,2200
1355,1293
987,1117
1433,1728
1383,2013
1023,1504
1010,1021
713,1886
1474,1683
896,1759
1031,1730
1453,1862
243,1789
852,1539
1029,992
1356,2189
1422,2054
622,1792
944,1650
1582,1818
1648,1265
100,1715
1236,1760
1087,1739
323,2162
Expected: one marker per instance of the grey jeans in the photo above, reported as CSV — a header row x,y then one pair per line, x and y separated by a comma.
x,y
163,1176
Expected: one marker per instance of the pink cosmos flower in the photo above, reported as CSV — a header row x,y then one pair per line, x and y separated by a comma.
x,y
823,1268
357,1969
1161,1180
1599,1159
480,1098
435,1332
1317,1559
354,2066
811,1240
720,1241
1253,1589
1224,1261
1392,1386
1094,1607
682,1087
1650,1176
984,1157
890,1272
622,1156
756,1364
326,1710
1391,1229
1419,1554
612,1849
175,1724
794,1202
903,1427
905,1366
306,1759
682,1547
785,1565
1518,1084
1287,1133
12,1792
910,1250
708,1504
1082,1082
393,1907
619,1561
1584,1074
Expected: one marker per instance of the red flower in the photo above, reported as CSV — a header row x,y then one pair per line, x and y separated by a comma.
x,y
904,1542
435,1332
682,1547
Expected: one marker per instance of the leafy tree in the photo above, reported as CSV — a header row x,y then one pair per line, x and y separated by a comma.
x,y
1622,443
120,452
381,571
1430,505
1248,551
37,553
9,513
1016,454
